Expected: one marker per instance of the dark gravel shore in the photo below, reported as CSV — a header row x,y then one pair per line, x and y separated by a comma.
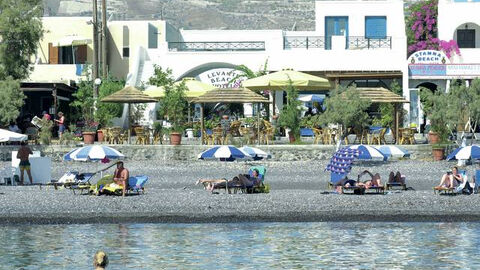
x,y
297,195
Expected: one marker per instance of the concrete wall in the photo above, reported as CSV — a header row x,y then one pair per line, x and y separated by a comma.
x,y
164,153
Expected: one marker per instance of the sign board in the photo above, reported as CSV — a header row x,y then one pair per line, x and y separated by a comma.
x,y
222,77
428,57
441,71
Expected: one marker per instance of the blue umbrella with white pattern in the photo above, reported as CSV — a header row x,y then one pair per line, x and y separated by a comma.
x,y
224,153
93,153
467,152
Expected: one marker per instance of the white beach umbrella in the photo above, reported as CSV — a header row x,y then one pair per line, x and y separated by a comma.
x,y
9,136
368,152
393,151
256,153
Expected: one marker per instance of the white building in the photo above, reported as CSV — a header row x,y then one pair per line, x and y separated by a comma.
x,y
357,41
457,20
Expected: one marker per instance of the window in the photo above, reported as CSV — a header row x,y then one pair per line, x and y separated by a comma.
x,y
67,55
126,42
466,38
126,52
335,26
375,26
152,36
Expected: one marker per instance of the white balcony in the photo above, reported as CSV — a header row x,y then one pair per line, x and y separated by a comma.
x,y
57,73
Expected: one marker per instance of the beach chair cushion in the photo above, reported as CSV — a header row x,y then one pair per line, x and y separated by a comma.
x,y
137,182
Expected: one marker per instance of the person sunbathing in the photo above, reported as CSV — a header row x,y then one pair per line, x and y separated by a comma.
x,y
396,178
345,183
374,182
242,180
451,179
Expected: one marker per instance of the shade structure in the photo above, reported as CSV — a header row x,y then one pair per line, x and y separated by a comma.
x,y
312,98
467,152
93,153
342,160
280,80
194,87
368,152
72,40
224,153
231,95
129,94
257,154
393,151
10,136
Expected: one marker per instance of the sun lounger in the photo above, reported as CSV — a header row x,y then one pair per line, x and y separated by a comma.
x,y
229,187
453,190
360,190
135,184
396,185
65,180
82,182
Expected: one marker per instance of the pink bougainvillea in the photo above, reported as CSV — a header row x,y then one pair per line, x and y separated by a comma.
x,y
422,30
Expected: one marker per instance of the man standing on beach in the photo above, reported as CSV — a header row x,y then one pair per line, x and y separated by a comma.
x,y
120,177
23,154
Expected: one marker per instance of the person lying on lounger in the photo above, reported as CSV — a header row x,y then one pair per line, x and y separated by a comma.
x,y
451,179
374,182
242,180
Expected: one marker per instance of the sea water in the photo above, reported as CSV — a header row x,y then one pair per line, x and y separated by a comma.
x,y
332,245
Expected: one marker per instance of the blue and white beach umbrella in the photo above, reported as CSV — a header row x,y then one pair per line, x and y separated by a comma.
x,y
393,151
368,152
224,153
93,153
256,153
467,152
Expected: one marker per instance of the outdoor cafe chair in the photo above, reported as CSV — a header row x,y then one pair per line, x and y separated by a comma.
x,y
407,136
379,137
218,135
207,138
248,133
234,128
142,135
328,136
318,135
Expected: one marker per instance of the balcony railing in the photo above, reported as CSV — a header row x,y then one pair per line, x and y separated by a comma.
x,y
318,42
369,43
216,46
303,42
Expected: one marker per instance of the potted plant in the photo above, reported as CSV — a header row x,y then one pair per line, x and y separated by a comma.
x,y
442,112
290,115
173,107
89,131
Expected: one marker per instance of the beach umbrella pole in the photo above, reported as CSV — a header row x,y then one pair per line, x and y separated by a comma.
x,y
258,123
202,124
128,122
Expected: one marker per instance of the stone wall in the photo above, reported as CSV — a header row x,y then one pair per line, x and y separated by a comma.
x,y
190,152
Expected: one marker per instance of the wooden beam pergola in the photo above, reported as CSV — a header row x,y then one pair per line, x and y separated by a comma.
x,y
383,95
229,95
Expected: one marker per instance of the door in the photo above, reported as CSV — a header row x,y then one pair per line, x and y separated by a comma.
x,y
375,26
466,38
52,54
335,26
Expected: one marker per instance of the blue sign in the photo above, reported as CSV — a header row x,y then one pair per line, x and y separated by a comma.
x,y
427,70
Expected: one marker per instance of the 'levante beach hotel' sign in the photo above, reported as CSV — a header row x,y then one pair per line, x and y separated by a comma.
x,y
432,65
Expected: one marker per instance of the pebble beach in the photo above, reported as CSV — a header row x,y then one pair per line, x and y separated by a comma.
x,y
298,194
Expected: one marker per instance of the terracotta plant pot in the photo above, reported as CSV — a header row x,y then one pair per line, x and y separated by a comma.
x,y
175,138
438,153
100,136
433,137
88,137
